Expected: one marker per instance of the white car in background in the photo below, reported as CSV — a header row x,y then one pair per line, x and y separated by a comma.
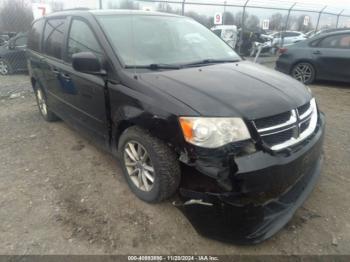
x,y
289,37
228,33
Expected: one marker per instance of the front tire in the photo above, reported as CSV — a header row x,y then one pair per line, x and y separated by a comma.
x,y
304,72
150,167
44,110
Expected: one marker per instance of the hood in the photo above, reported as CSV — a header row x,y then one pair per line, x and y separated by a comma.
x,y
242,89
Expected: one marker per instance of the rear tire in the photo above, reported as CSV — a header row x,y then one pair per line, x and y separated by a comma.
x,y
5,68
44,110
304,72
150,167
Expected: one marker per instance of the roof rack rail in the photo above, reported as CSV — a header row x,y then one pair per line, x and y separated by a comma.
x,y
74,9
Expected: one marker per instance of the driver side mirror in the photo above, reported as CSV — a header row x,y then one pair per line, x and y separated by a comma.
x,y
87,62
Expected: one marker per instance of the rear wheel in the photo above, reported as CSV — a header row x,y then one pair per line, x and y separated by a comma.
x,y
46,113
150,167
5,67
304,72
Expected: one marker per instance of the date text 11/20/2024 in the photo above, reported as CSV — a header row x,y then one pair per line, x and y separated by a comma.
x,y
173,258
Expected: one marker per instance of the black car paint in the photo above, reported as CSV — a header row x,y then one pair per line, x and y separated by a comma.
x,y
248,90
329,63
268,190
14,55
103,107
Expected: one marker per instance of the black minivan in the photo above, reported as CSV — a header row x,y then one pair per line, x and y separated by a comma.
x,y
240,143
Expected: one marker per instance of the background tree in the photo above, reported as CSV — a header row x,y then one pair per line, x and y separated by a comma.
x,y
15,16
252,23
129,4
292,22
228,18
300,24
238,18
167,8
203,19
277,21
57,6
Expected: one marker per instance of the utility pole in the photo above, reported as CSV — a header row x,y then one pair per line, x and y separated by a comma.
x,y
183,7
319,17
242,27
338,15
286,25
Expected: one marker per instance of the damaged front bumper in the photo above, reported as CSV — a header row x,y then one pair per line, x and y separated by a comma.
x,y
267,190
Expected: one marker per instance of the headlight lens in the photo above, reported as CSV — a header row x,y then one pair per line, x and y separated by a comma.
x,y
309,89
212,132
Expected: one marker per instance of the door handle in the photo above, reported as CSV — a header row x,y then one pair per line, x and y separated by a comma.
x,y
317,52
55,71
66,76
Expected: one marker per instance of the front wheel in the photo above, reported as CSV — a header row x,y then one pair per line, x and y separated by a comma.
x,y
45,112
304,72
150,167
5,67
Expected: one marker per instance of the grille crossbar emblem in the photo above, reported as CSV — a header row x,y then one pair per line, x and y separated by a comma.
x,y
301,123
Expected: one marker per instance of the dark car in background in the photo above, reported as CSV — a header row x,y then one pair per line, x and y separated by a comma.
x,y
324,31
322,57
241,143
13,55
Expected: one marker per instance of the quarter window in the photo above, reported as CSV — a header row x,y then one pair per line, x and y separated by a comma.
x,y
53,37
82,39
35,35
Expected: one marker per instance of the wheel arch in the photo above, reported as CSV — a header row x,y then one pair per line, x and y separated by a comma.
x,y
34,81
161,127
304,60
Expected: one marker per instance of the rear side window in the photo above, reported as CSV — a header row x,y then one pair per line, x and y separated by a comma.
x,y
53,37
336,41
291,34
344,41
35,35
82,39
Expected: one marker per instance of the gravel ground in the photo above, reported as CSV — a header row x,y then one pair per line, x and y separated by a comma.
x,y
59,194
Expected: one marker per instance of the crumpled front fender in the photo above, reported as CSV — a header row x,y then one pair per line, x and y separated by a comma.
x,y
251,215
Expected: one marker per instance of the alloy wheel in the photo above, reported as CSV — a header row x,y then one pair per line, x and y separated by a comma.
x,y
41,101
139,166
303,72
4,69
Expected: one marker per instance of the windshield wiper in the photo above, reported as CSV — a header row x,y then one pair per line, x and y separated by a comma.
x,y
211,61
154,66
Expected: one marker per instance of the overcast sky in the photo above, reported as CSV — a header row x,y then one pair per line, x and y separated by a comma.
x,y
331,3
334,6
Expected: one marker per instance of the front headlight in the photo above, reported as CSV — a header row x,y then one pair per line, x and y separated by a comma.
x,y
212,132
308,89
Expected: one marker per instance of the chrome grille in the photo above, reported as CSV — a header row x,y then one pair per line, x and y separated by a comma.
x,y
289,128
302,109
272,120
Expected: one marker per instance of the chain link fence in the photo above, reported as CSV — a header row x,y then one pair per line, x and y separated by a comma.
x,y
248,15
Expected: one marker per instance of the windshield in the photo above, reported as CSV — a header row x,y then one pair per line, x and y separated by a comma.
x,y
142,40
